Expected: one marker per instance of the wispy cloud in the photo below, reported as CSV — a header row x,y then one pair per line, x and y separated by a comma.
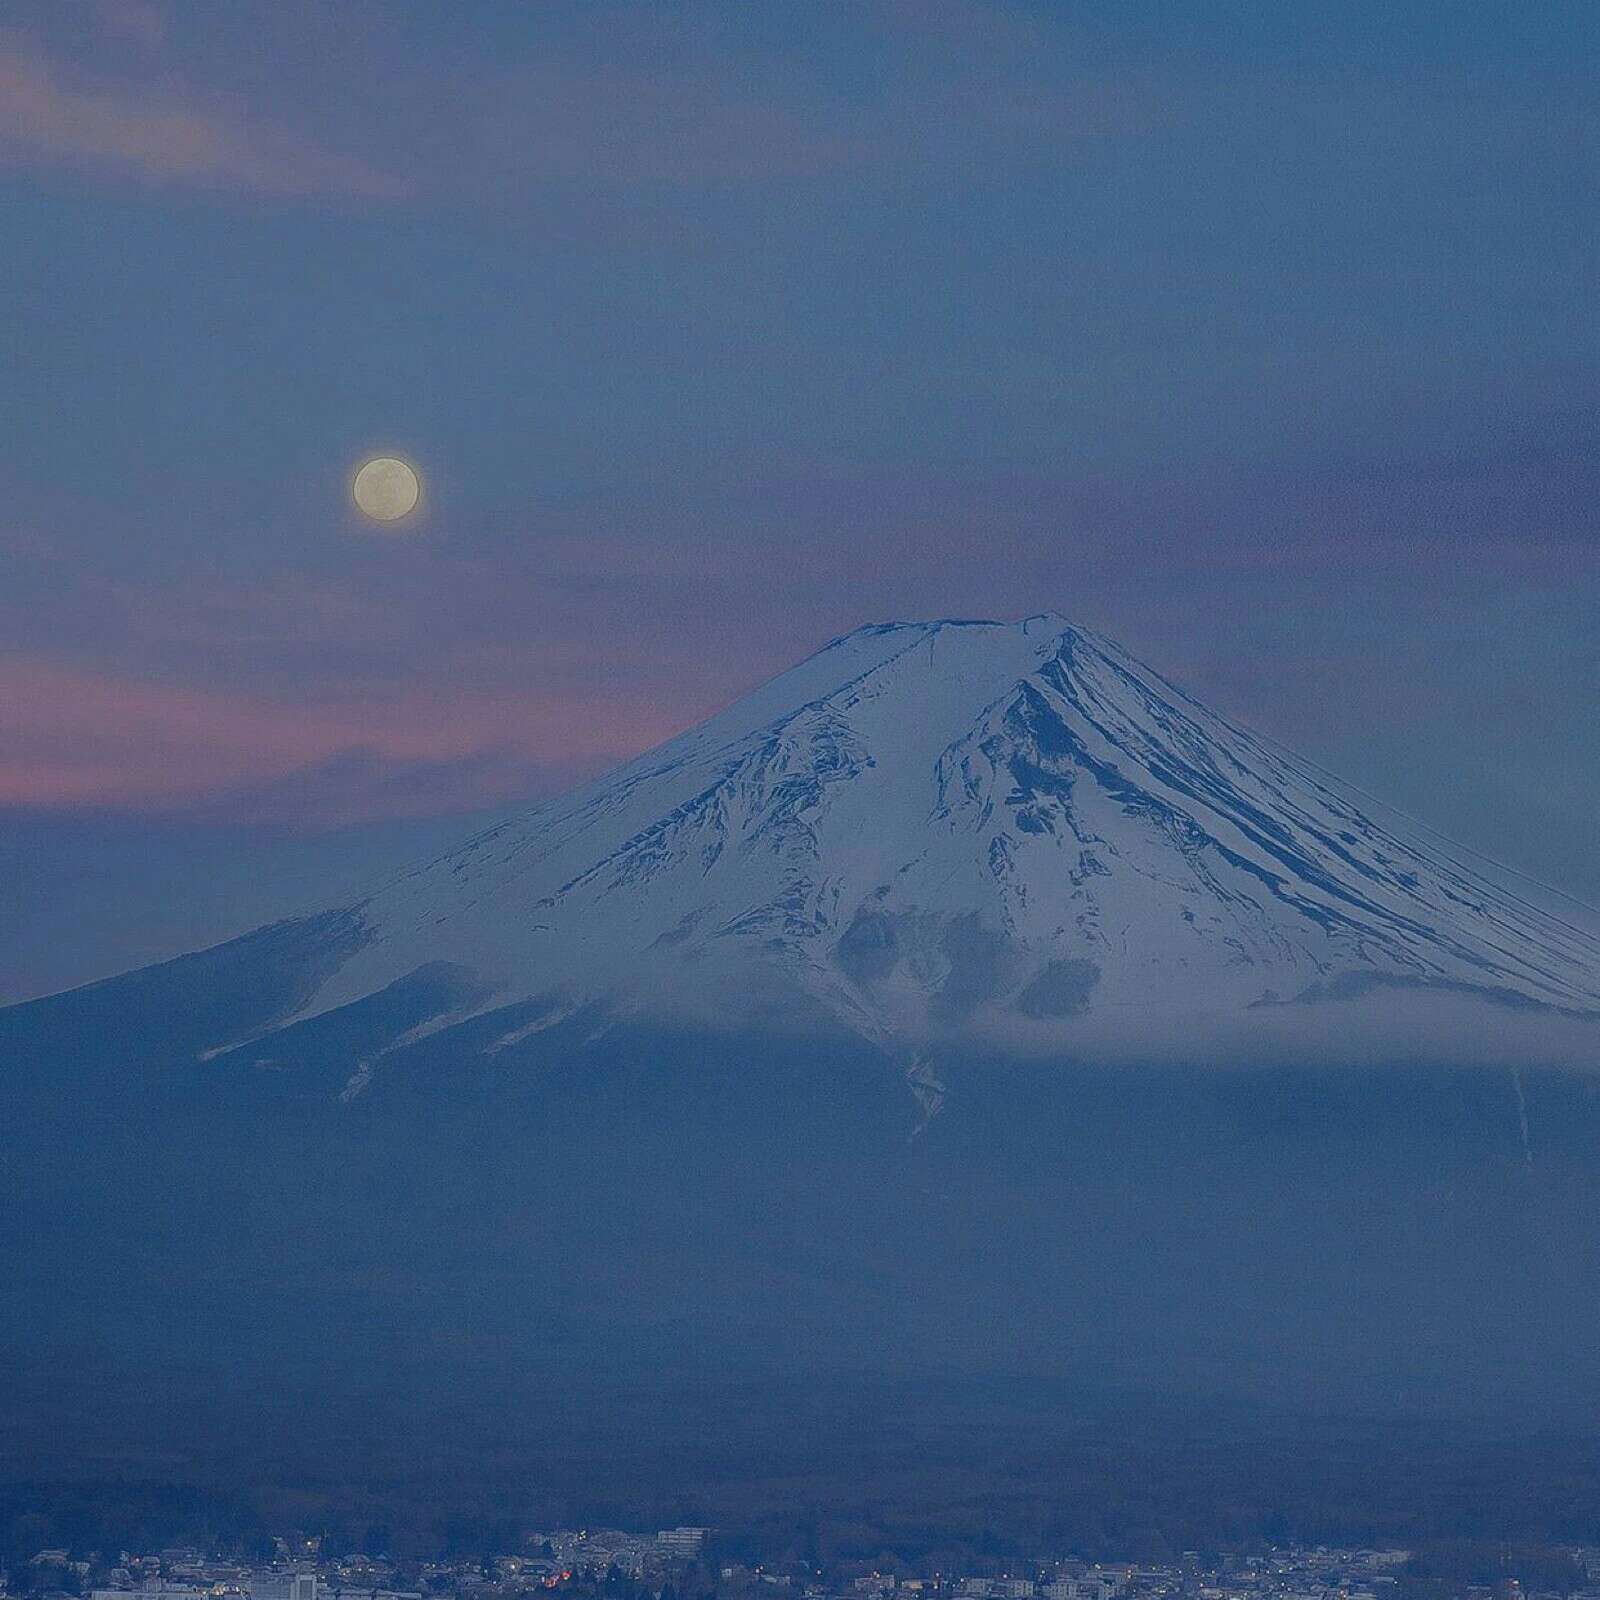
x,y
634,104
150,132
85,740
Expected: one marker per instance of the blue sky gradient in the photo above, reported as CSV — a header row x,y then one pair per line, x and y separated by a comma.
x,y
1261,337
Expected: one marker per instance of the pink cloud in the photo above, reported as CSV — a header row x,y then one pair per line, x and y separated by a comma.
x,y
156,134
80,739
624,110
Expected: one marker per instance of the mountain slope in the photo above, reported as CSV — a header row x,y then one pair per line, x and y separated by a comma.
x,y
946,826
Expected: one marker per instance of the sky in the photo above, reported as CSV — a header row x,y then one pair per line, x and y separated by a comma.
x,y
1262,338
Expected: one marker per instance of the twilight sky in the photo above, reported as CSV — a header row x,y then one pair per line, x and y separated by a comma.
x,y
1262,337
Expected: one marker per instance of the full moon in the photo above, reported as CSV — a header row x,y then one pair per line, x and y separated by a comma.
x,y
386,489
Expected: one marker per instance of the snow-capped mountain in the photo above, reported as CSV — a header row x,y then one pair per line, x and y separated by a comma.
x,y
932,826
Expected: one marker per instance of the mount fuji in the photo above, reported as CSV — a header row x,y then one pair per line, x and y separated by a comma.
x,y
965,964
932,829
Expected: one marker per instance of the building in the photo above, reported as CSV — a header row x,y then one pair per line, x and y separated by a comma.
x,y
285,1586
153,1591
1093,1588
682,1543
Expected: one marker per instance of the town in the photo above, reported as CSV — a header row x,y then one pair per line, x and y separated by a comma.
x,y
684,1563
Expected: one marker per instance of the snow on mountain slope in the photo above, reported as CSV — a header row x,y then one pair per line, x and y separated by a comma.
x,y
927,826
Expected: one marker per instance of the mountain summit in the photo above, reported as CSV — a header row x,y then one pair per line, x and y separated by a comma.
x,y
951,825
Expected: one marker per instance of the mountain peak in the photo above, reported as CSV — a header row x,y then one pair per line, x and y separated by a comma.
x,y
1045,624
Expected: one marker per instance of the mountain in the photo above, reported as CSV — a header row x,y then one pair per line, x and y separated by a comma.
x,y
939,828
966,1006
